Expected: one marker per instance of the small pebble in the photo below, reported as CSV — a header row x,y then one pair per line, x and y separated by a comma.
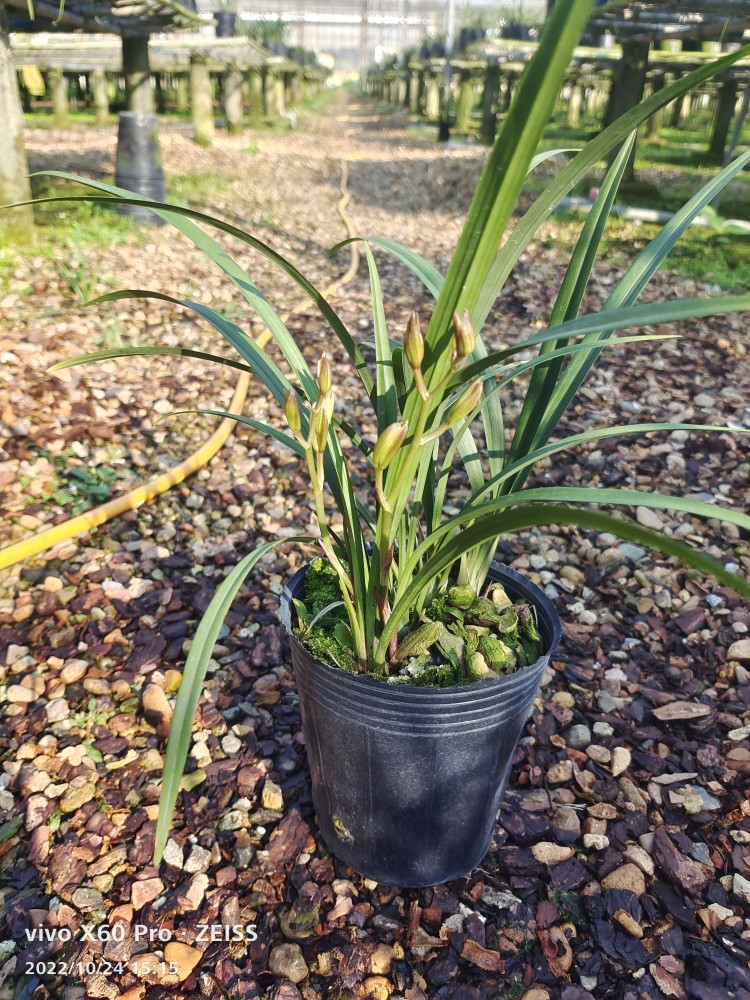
x,y
198,860
621,758
145,891
548,853
17,694
627,876
599,754
739,650
184,956
271,796
73,671
173,854
231,745
578,737
595,841
288,962
57,710
603,729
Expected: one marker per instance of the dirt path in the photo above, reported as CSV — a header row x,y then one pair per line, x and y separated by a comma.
x,y
619,869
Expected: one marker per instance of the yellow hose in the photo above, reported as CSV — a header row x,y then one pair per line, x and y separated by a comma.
x,y
44,540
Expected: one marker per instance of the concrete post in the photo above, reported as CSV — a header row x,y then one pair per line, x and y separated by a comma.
x,y
573,117
18,223
655,121
432,99
677,107
490,98
135,67
202,100
413,91
23,92
465,102
233,99
60,104
280,96
628,81
723,119
269,94
403,91
182,92
101,96
160,92
391,88
295,88
255,81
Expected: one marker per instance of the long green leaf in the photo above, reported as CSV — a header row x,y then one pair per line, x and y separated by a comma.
x,y
282,438
260,362
648,314
336,470
571,295
258,425
430,277
503,177
599,495
192,682
627,290
492,206
386,403
594,151
599,433
565,494
179,217
146,351
551,514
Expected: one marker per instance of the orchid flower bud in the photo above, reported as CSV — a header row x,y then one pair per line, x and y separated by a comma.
x,y
414,342
466,403
325,377
291,411
325,403
464,336
320,420
388,444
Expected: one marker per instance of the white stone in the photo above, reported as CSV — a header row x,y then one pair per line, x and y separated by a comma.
x,y
620,760
198,860
173,854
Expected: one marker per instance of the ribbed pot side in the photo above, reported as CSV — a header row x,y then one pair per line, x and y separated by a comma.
x,y
407,781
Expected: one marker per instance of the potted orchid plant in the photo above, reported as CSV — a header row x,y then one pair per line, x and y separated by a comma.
x,y
417,657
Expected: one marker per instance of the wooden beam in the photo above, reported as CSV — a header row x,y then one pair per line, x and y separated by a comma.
x,y
51,12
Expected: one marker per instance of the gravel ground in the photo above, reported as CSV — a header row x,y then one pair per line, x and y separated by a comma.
x,y
621,864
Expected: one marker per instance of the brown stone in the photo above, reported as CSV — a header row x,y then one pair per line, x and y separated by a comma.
x,y
548,853
626,877
630,924
145,892
678,867
288,962
183,956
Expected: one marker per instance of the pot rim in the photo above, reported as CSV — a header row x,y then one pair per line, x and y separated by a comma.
x,y
550,626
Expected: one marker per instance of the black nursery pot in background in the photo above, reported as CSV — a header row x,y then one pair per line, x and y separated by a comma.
x,y
138,166
407,781
226,24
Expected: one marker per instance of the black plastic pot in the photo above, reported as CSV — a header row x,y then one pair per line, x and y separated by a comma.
x,y
407,781
226,23
138,167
